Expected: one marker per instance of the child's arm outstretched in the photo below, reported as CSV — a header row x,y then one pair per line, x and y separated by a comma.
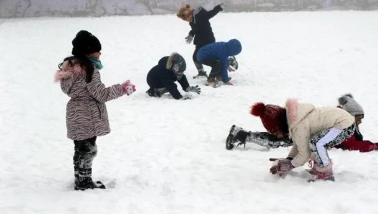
x,y
101,93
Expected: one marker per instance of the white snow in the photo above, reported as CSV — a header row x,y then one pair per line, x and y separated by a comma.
x,y
169,156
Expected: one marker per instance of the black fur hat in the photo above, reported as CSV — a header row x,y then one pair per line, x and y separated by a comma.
x,y
85,43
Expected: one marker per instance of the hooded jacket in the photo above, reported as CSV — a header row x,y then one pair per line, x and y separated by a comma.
x,y
305,120
220,51
86,113
161,76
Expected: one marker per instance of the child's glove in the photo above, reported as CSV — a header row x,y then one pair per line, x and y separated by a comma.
x,y
222,5
281,166
128,87
189,39
194,89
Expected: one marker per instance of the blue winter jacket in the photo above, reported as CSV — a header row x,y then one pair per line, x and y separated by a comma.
x,y
162,77
220,51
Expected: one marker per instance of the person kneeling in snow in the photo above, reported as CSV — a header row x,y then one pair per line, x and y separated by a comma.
x,y
313,131
355,142
162,77
219,56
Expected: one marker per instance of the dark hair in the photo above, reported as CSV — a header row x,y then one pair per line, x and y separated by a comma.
x,y
83,61
283,124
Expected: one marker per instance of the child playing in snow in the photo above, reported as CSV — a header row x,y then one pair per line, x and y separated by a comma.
x,y
355,142
313,131
86,114
266,139
217,55
162,77
201,29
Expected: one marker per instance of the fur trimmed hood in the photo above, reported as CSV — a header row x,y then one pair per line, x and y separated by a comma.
x,y
67,71
297,112
170,61
176,63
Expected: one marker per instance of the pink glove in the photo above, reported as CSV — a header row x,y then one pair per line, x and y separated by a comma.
x,y
128,87
281,167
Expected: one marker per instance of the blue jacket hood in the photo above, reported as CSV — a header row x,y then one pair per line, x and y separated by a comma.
x,y
233,47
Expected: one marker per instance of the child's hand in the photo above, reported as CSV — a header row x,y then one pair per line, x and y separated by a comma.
x,y
195,89
189,39
230,69
128,87
280,166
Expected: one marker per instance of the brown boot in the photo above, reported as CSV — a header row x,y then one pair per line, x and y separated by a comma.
x,y
219,78
211,80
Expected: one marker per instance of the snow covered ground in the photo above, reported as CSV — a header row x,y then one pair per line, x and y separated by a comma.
x,y
169,156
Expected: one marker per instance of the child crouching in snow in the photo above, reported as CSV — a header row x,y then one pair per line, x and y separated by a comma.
x,y
218,56
86,114
313,131
266,139
162,77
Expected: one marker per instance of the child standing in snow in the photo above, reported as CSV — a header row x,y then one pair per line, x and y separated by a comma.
x,y
201,29
162,77
313,131
86,114
217,55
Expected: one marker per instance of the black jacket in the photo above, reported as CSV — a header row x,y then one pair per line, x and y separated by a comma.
x,y
162,77
201,28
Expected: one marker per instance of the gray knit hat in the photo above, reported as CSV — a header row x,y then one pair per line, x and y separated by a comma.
x,y
349,104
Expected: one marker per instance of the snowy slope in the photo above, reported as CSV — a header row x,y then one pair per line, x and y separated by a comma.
x,y
168,156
